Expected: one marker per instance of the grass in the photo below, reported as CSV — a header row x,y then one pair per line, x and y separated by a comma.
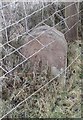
x,y
53,101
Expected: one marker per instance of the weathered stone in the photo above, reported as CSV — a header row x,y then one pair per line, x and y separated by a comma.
x,y
54,55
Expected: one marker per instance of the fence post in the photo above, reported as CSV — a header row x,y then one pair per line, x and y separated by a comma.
x,y
72,34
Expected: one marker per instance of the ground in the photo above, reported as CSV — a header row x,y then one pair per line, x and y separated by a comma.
x,y
53,101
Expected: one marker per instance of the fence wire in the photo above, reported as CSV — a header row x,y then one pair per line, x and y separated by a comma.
x,y
8,71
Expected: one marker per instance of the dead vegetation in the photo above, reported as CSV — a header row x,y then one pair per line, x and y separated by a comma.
x,y
56,100
53,101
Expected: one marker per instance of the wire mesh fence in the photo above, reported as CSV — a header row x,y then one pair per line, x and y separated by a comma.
x,y
24,82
